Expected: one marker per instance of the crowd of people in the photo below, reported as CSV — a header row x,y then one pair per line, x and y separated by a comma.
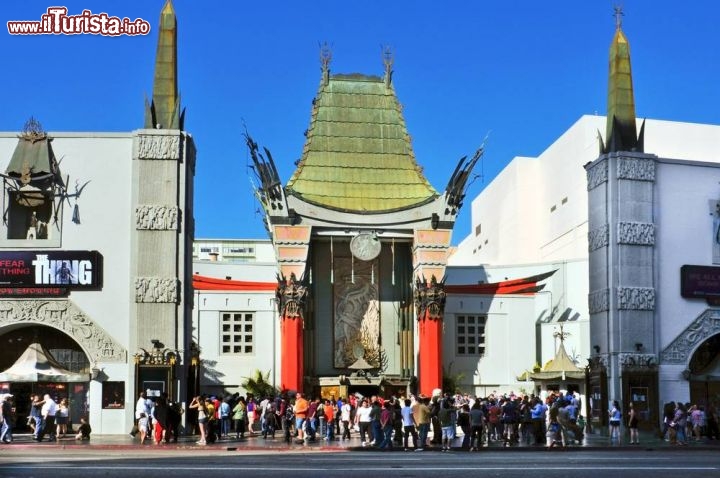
x,y
46,417
410,423
686,422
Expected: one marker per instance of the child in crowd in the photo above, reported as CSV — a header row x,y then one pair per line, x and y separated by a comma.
x,y
143,426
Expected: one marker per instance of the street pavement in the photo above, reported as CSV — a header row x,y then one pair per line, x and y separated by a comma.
x,y
256,443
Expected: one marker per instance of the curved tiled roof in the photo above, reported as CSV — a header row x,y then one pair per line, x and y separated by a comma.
x,y
358,156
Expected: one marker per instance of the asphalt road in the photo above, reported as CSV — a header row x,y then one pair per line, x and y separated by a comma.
x,y
597,464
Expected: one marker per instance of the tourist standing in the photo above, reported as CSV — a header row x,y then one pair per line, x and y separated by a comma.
x,y
48,412
6,418
633,419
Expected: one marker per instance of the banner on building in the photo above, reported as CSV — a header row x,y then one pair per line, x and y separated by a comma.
x,y
50,269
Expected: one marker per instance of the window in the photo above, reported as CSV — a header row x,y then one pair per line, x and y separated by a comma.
x,y
478,229
237,337
113,394
470,334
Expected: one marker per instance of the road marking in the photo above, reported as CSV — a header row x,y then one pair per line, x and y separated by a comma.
x,y
334,469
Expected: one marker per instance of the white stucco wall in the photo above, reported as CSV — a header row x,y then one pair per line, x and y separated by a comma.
x,y
106,221
224,373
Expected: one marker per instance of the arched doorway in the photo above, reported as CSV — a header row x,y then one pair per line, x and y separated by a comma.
x,y
704,373
15,340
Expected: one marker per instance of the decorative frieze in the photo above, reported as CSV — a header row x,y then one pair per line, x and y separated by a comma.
x,y
158,146
597,174
636,298
152,217
598,363
636,169
68,318
598,301
635,362
599,237
680,350
637,233
157,289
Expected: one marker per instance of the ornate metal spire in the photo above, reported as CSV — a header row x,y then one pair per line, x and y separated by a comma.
x,y
325,57
618,16
388,60
163,111
621,132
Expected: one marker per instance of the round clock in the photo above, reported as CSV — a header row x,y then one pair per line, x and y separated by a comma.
x,y
365,246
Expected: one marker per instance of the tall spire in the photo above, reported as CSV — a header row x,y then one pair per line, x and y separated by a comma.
x,y
621,132
163,112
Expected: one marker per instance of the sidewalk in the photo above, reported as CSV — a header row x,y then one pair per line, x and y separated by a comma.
x,y
257,443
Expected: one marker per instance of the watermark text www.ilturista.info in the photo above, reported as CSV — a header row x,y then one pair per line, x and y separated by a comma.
x,y
57,22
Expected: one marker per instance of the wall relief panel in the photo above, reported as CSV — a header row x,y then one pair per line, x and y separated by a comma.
x,y
68,318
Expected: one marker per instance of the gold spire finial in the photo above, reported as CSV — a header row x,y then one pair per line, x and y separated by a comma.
x,y
163,111
621,132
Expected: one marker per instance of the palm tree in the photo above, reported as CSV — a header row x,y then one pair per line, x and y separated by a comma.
x,y
258,385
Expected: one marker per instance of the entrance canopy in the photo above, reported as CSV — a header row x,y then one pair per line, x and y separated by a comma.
x,y
38,365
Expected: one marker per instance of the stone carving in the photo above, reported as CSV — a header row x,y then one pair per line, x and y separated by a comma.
x,y
636,169
639,233
680,350
356,314
153,217
598,238
158,146
597,175
636,298
157,289
634,361
158,355
598,363
68,318
290,296
430,298
598,301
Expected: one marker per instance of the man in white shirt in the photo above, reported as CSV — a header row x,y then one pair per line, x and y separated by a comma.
x,y
142,406
48,411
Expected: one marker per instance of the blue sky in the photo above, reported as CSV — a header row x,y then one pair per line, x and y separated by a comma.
x,y
522,71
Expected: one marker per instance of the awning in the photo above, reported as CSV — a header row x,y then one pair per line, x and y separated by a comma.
x,y
38,365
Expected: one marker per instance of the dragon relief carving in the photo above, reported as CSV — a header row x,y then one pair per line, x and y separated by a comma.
x,y
65,316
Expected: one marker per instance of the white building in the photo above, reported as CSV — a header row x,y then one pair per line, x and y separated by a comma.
x,y
632,212
96,255
235,319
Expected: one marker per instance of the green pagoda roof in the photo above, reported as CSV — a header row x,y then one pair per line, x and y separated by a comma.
x,y
358,156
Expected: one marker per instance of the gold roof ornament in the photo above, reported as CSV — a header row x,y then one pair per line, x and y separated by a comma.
x,y
621,131
163,110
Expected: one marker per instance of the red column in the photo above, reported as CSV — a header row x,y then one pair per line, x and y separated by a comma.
x,y
430,353
291,353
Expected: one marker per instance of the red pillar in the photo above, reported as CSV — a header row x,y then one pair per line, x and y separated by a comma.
x,y
291,353
430,353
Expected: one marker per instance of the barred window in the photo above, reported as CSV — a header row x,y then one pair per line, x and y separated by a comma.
x,y
237,336
470,334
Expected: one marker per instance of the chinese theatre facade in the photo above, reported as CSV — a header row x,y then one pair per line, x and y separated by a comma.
x,y
361,239
94,251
